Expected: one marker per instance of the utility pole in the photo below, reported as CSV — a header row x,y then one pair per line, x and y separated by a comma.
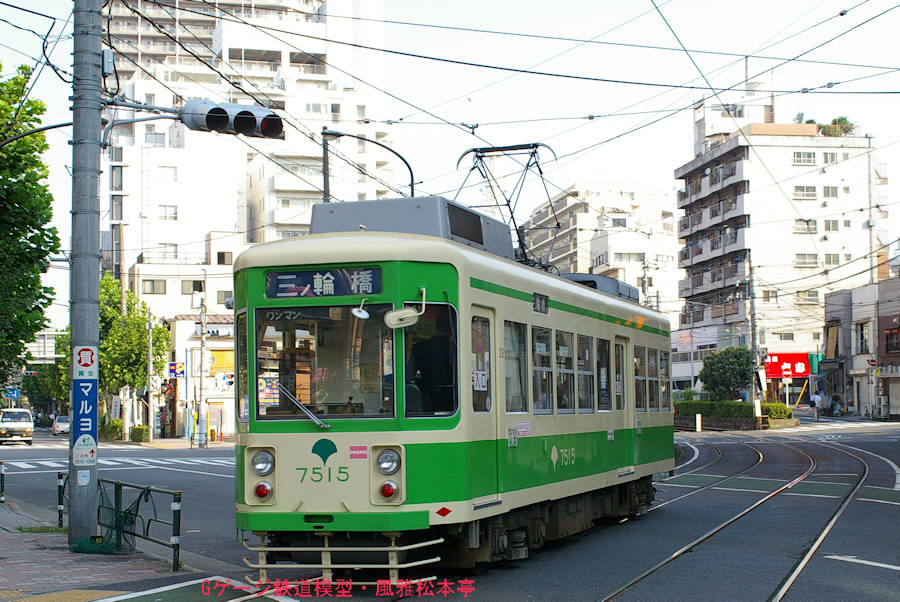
x,y
201,415
151,414
754,350
84,279
326,196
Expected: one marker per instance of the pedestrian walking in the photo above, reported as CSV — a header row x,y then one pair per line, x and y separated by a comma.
x,y
815,401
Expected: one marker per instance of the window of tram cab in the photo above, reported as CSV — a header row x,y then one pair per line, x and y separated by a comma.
x,y
325,359
665,400
653,379
430,348
481,364
640,378
542,371
515,357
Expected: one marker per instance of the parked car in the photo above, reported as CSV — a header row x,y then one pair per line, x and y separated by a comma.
x,y
61,425
16,424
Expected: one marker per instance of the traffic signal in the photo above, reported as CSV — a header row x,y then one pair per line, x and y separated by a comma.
x,y
231,118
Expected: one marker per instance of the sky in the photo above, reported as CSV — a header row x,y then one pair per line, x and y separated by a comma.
x,y
606,102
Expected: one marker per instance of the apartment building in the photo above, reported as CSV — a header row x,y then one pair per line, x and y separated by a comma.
x,y
800,207
861,365
624,232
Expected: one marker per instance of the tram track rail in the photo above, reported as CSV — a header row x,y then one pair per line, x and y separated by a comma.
x,y
806,554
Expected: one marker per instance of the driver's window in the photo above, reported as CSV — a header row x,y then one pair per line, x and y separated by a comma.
x,y
430,348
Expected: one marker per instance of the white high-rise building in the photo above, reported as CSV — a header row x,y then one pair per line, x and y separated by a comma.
x,y
802,208
623,232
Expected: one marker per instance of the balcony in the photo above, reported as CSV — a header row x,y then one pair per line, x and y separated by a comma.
x,y
178,259
289,182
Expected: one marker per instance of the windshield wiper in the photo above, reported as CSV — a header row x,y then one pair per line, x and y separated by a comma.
x,y
305,410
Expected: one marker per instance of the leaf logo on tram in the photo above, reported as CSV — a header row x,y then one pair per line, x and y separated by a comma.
x,y
324,448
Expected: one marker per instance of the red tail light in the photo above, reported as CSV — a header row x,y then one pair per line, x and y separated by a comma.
x,y
263,490
389,490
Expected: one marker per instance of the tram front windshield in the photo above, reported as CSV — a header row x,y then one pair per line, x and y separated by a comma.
x,y
333,362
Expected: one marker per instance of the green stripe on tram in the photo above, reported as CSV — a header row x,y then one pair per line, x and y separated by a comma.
x,y
574,309
467,467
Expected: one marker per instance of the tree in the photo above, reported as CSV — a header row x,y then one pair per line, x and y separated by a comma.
x,y
26,241
46,391
839,126
727,372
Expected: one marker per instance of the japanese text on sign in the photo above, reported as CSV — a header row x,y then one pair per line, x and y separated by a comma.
x,y
323,283
340,588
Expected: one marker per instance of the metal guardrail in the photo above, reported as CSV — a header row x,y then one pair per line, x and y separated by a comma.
x,y
131,520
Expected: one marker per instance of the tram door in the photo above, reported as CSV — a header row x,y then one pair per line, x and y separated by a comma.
x,y
624,402
484,404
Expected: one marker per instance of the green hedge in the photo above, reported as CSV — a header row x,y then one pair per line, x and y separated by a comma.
x,y
730,409
111,431
140,433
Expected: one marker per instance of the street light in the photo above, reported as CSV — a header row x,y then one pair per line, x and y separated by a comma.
x,y
333,135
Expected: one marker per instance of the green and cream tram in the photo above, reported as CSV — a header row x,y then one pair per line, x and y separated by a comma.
x,y
403,397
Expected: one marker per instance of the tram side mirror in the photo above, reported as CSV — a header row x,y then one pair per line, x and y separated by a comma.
x,y
401,318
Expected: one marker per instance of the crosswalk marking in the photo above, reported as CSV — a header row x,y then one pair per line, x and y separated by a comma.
x,y
122,463
50,464
21,464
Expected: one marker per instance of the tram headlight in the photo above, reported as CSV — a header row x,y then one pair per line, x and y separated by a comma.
x,y
388,462
262,463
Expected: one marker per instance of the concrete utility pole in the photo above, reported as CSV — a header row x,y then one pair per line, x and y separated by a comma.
x,y
754,350
151,413
201,415
84,283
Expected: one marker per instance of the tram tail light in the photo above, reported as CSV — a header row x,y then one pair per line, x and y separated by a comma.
x,y
263,490
389,490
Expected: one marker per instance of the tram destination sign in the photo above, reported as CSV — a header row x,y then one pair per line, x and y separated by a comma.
x,y
323,283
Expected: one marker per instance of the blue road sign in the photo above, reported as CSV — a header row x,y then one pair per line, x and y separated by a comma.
x,y
12,393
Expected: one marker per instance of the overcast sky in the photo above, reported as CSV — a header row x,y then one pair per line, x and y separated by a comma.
x,y
425,97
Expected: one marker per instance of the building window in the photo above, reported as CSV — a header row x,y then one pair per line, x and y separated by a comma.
x,y
189,287
223,258
847,256
846,223
892,340
770,295
846,190
515,357
222,295
153,287
804,193
619,222
808,297
115,154
360,111
832,258
115,177
783,336
830,192
628,256
115,207
862,337
155,139
831,225
361,147
805,226
361,177
829,158
168,174
804,158
542,373
806,260
168,250
168,212
817,336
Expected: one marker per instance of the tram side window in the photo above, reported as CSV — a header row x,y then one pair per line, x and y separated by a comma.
x,y
604,399
481,364
620,376
640,378
242,371
515,357
431,350
585,374
565,372
653,379
664,383
542,372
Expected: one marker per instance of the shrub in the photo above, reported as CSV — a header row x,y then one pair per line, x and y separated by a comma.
x,y
689,394
777,410
140,433
727,372
111,431
715,409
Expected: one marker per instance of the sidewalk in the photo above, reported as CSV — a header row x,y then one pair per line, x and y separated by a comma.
x,y
177,443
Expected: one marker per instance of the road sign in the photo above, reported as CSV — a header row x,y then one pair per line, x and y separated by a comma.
x,y
12,393
176,369
872,363
85,362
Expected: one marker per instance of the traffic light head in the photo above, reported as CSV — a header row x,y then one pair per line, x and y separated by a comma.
x,y
231,118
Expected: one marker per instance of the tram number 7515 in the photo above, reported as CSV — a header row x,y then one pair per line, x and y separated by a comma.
x,y
319,475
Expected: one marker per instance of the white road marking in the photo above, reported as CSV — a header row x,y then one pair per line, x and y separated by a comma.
x,y
50,464
694,457
21,464
889,463
856,560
